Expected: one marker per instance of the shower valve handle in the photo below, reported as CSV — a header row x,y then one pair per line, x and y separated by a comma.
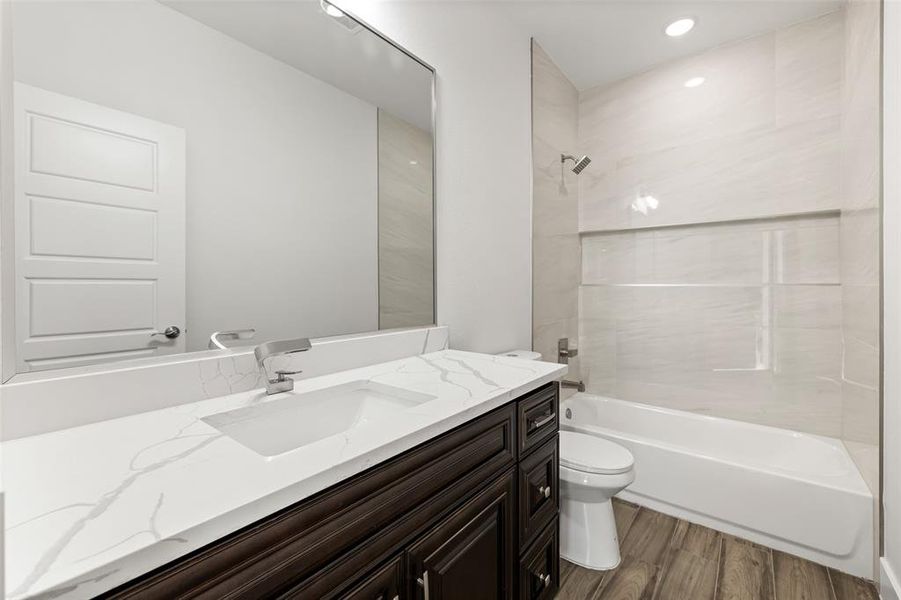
x,y
564,352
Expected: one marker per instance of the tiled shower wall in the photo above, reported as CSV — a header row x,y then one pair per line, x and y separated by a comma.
x,y
730,232
711,232
555,218
406,257
737,320
860,236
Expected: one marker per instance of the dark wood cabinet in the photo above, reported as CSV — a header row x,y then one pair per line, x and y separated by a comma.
x,y
386,583
461,516
470,554
537,417
539,490
539,573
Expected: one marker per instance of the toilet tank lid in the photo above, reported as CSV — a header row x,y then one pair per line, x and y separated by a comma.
x,y
524,354
592,454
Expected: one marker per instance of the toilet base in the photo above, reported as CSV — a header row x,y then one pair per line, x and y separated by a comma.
x,y
588,534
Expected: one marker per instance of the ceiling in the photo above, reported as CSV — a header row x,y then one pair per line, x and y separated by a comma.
x,y
601,41
300,34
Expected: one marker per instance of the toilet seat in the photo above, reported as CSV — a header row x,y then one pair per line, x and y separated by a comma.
x,y
591,454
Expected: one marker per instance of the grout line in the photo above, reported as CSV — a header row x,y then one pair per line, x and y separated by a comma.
x,y
596,594
720,554
831,583
629,526
769,552
663,568
763,220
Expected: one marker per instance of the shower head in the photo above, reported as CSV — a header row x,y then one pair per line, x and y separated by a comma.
x,y
580,163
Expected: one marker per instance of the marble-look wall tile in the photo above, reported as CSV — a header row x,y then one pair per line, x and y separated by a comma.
x,y
626,257
597,348
556,251
860,409
861,241
732,320
555,277
860,312
860,363
807,69
759,138
787,251
714,232
808,353
808,255
545,339
406,257
719,254
807,306
861,234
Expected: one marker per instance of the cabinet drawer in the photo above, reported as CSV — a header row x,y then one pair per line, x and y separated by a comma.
x,y
539,490
539,570
385,583
537,417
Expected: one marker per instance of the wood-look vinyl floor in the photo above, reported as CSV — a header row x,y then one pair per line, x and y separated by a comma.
x,y
664,558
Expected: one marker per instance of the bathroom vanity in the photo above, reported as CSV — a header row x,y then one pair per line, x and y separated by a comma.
x,y
470,514
142,456
453,497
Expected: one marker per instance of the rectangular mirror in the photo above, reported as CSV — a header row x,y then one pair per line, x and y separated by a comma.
x,y
263,169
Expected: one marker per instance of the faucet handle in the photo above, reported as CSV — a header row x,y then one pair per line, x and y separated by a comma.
x,y
282,383
281,373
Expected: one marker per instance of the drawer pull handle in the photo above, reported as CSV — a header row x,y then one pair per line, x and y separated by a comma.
x,y
543,421
424,584
545,491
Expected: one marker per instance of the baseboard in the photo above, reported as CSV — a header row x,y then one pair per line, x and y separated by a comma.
x,y
889,587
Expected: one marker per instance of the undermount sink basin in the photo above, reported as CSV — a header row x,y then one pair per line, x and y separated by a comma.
x,y
296,420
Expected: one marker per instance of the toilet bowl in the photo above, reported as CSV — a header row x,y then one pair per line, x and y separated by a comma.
x,y
592,471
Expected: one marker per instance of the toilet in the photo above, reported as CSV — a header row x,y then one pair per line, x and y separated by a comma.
x,y
592,471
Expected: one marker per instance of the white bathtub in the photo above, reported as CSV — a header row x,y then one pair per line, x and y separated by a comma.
x,y
791,491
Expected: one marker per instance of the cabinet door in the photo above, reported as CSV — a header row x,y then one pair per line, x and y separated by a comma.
x,y
384,584
539,571
538,490
470,554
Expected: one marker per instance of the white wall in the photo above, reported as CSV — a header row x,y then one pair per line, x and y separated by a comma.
x,y
281,192
483,162
891,415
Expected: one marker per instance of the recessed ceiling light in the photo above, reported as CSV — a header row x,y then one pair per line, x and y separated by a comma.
x,y
680,27
694,82
331,10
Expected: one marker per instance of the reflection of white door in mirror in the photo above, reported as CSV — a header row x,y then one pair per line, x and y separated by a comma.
x,y
100,233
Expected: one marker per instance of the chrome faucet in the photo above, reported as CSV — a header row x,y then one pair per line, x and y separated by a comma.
x,y
281,383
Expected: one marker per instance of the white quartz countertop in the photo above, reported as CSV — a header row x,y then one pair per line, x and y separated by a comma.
x,y
92,507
